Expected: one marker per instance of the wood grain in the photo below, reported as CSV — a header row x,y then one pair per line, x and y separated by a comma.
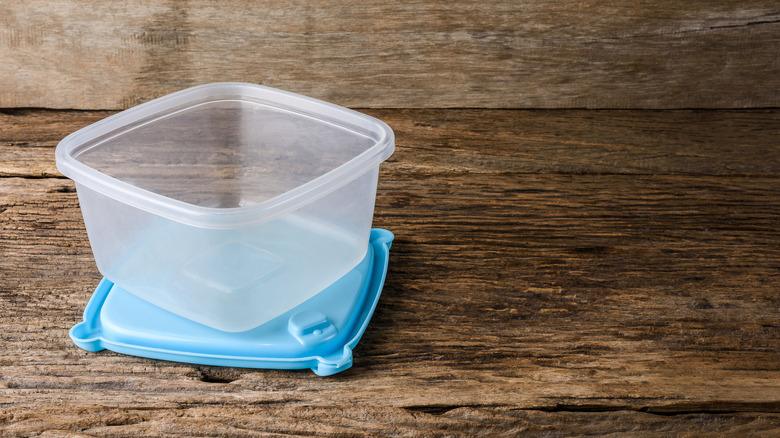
x,y
499,141
554,272
431,53
347,421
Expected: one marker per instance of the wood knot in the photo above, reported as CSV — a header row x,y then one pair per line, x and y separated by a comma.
x,y
703,304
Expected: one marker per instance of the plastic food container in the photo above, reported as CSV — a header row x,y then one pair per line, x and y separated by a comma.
x,y
228,204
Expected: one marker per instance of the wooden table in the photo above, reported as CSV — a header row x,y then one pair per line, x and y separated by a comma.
x,y
553,273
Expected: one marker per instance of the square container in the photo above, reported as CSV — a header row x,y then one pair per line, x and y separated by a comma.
x,y
228,204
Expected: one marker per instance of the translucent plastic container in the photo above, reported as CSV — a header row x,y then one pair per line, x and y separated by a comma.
x,y
229,203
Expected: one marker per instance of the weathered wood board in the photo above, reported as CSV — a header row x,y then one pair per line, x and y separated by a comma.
x,y
735,143
429,53
554,272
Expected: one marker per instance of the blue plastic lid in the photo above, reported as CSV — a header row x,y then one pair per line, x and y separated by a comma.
x,y
319,334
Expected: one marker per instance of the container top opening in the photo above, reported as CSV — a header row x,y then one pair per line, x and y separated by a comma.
x,y
222,154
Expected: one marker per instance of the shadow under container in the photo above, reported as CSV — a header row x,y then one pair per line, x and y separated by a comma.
x,y
228,204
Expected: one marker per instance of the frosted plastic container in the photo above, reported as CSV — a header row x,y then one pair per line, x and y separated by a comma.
x,y
228,203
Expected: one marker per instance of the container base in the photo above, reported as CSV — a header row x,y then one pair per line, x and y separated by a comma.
x,y
319,334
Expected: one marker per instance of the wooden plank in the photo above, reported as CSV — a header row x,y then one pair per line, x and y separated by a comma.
x,y
431,53
582,141
359,421
499,141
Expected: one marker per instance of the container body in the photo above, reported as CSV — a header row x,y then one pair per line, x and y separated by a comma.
x,y
231,279
228,209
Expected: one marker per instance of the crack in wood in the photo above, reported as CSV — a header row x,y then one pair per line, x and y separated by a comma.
x,y
750,23
28,176
684,32
666,411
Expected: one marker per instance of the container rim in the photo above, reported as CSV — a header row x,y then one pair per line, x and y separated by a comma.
x,y
217,217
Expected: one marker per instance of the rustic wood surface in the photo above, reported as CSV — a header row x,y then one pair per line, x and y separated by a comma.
x,y
554,273
422,53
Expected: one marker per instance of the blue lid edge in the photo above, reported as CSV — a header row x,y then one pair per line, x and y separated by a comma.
x,y
88,334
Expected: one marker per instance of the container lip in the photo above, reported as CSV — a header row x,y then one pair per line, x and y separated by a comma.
x,y
234,217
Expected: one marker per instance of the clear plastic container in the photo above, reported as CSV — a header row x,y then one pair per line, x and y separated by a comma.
x,y
228,203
